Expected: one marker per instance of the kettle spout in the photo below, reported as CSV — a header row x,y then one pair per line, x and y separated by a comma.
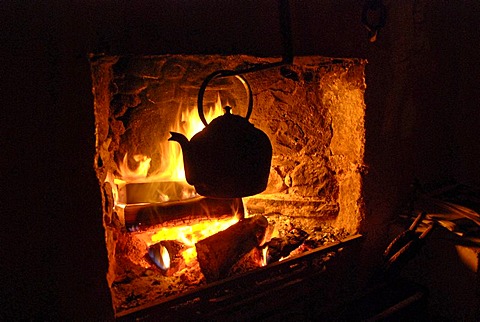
x,y
181,139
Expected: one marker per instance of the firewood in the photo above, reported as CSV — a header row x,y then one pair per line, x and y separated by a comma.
x,y
406,253
181,212
250,261
151,192
404,238
218,253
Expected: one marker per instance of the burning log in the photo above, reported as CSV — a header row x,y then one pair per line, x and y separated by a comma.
x,y
182,212
151,192
218,253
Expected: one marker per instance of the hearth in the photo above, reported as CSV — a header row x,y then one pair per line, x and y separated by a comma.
x,y
161,234
286,289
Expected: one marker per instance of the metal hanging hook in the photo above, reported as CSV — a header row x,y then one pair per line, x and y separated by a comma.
x,y
287,59
286,33
374,15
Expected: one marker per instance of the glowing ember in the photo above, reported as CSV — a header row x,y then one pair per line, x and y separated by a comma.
x,y
159,254
264,256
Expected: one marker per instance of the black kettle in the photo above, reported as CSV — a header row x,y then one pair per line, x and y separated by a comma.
x,y
229,158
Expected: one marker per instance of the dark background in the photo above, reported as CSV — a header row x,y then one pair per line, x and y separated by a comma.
x,y
422,116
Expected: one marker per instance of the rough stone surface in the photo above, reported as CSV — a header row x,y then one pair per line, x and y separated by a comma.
x,y
312,111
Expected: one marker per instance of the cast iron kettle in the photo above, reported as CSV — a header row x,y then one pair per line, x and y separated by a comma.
x,y
229,158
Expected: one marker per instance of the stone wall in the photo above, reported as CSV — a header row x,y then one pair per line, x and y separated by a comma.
x,y
312,111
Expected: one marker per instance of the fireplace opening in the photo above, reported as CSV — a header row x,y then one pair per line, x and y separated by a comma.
x,y
165,242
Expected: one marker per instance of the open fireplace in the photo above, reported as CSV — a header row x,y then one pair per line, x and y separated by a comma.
x,y
167,245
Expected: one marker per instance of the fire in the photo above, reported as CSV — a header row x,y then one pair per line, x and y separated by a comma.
x,y
263,261
139,172
189,235
189,124
172,169
160,256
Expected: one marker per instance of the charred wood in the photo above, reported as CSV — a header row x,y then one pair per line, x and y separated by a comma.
x,y
279,247
218,253
250,261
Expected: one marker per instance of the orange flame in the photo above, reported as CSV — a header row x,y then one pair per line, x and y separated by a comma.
x,y
139,173
188,123
189,235
172,169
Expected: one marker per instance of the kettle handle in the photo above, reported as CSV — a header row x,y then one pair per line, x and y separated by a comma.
x,y
223,73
